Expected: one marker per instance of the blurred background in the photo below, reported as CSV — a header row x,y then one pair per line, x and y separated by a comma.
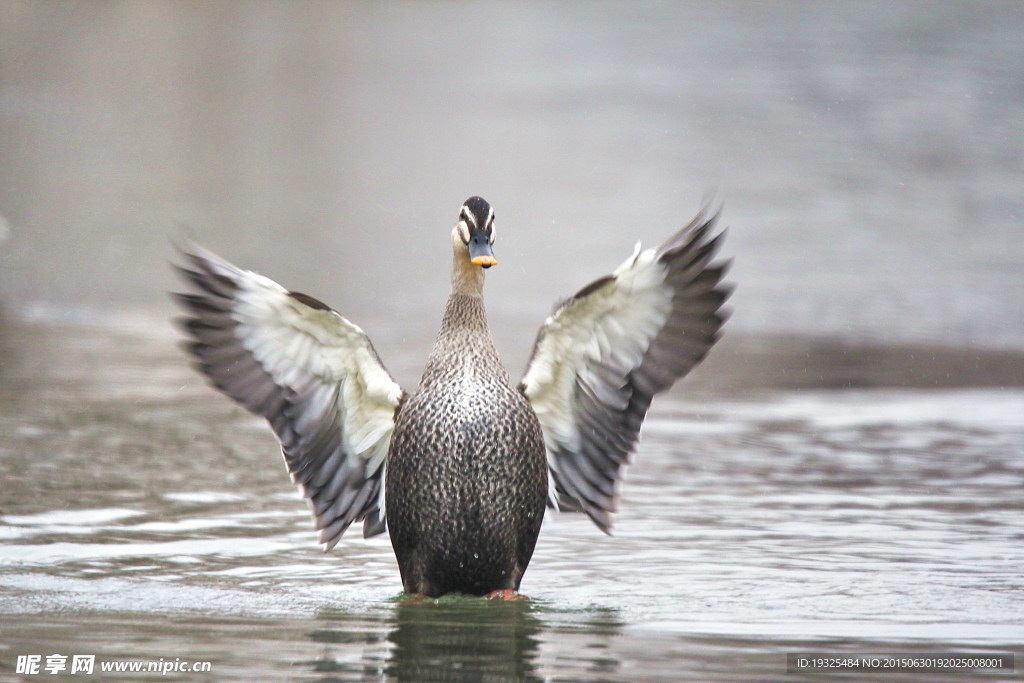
x,y
868,157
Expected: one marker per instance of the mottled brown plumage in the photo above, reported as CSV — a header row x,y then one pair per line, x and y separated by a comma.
x,y
458,472
466,482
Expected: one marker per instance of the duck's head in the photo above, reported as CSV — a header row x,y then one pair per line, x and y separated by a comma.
x,y
474,233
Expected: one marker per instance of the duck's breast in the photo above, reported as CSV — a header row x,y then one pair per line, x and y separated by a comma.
x,y
466,480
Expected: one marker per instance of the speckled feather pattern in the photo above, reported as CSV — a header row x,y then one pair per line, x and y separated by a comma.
x,y
465,463
466,482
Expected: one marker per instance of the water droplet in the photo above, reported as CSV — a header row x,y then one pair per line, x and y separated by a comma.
x,y
476,556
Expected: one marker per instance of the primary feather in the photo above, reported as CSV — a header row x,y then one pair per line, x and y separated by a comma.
x,y
604,353
311,373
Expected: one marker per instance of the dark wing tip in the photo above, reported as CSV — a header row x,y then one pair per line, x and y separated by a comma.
x,y
603,519
592,287
693,232
373,525
310,301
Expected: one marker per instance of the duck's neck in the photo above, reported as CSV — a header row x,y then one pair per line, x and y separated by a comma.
x,y
464,336
465,309
466,278
464,343
464,313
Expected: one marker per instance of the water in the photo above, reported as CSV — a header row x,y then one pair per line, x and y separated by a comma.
x,y
842,475
145,517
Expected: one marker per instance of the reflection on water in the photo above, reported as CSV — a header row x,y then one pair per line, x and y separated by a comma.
x,y
754,523
472,639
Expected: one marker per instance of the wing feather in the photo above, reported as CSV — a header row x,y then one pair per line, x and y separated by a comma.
x,y
604,353
310,372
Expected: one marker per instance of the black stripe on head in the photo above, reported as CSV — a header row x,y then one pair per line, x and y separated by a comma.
x,y
476,212
467,217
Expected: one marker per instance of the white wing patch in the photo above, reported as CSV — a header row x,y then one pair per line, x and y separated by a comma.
x,y
612,326
315,377
605,352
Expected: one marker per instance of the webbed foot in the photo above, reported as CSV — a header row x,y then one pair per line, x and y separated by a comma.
x,y
506,594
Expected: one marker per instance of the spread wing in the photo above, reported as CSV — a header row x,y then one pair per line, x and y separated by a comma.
x,y
603,354
311,373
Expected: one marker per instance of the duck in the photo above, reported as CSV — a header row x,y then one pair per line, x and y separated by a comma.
x,y
461,471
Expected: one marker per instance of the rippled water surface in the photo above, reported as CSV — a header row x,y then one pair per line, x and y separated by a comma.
x,y
145,517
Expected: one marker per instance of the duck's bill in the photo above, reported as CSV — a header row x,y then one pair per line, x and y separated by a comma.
x,y
480,252
485,261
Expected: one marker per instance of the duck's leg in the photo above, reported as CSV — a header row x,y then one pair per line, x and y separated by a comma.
x,y
506,594
412,599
